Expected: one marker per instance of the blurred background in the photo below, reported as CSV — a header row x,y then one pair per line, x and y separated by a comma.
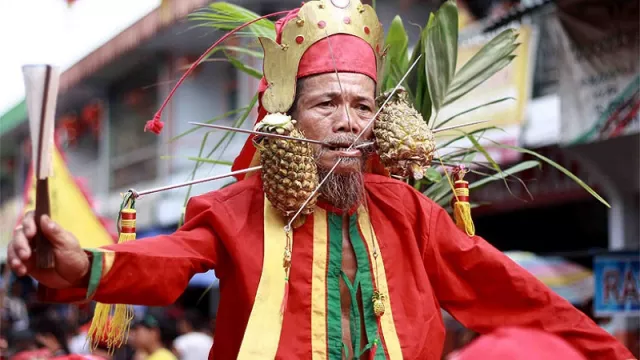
x,y
576,81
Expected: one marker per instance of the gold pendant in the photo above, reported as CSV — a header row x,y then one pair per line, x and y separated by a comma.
x,y
378,303
286,263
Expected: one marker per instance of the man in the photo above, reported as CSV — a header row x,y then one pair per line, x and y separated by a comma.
x,y
369,238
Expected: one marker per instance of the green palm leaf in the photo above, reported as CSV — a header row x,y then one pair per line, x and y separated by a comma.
x,y
559,167
210,121
239,65
441,52
417,79
443,123
228,137
397,59
520,167
490,59
225,16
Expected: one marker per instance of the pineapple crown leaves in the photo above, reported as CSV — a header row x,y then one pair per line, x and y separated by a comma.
x,y
278,123
401,94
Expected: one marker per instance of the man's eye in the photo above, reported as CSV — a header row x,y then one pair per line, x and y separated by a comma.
x,y
364,108
324,104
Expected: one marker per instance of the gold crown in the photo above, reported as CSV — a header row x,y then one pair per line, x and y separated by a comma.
x,y
315,21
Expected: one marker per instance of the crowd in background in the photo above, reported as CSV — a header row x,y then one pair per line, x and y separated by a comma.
x,y
33,331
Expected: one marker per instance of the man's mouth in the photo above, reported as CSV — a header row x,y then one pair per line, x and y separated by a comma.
x,y
343,150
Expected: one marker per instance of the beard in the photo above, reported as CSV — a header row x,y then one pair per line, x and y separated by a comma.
x,y
343,190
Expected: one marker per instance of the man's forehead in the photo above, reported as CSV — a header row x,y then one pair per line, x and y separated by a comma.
x,y
332,83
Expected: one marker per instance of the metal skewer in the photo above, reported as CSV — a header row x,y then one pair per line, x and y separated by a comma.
x,y
229,128
138,194
459,126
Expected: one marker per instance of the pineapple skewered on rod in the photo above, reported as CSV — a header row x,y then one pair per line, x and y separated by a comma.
x,y
289,172
404,141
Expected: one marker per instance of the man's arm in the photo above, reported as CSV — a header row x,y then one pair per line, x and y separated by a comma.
x,y
484,290
152,271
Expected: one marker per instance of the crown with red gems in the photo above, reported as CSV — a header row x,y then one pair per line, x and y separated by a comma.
x,y
315,21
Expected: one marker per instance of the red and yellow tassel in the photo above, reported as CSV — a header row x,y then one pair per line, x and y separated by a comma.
x,y
111,322
461,204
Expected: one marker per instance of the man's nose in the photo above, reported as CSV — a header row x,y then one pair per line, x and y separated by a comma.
x,y
346,120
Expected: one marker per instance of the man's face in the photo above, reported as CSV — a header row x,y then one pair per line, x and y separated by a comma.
x,y
336,111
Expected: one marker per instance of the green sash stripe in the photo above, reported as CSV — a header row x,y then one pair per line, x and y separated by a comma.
x,y
334,315
366,286
95,272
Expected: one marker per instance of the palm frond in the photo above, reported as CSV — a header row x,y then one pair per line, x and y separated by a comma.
x,y
397,42
226,16
210,121
444,122
441,52
520,167
558,167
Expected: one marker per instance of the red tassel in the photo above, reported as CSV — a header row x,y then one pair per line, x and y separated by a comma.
x,y
154,125
283,307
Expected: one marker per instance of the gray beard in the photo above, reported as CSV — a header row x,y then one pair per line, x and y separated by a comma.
x,y
342,191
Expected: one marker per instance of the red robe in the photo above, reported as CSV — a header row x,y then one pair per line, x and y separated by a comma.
x,y
423,263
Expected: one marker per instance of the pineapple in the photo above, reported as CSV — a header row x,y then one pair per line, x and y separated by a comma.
x,y
404,141
289,173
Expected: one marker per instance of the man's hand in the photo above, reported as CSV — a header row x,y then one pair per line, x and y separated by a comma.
x,y
71,262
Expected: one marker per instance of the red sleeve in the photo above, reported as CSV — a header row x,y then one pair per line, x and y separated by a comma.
x,y
151,271
484,290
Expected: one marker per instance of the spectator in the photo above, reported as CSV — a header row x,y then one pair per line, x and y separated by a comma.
x,y
149,336
195,340
22,340
52,334
13,310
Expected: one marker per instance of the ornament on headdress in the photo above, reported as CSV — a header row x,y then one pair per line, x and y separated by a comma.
x,y
316,20
111,322
461,204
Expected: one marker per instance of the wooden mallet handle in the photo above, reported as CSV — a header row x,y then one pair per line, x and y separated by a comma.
x,y
43,249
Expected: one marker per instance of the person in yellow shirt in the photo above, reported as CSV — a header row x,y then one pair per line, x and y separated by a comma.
x,y
148,337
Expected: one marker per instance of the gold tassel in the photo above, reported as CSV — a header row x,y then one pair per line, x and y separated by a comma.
x,y
111,322
461,204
